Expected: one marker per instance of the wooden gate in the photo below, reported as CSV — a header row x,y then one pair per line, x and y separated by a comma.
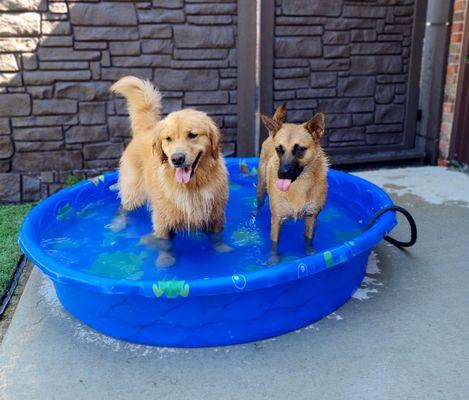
x,y
357,61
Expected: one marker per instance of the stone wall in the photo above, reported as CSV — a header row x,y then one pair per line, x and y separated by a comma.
x,y
349,59
452,75
58,59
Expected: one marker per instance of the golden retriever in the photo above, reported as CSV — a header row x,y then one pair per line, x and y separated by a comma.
x,y
174,165
293,170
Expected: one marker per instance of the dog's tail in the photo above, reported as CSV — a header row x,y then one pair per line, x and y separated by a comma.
x,y
143,102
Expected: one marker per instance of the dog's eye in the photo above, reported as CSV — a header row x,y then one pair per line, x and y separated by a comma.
x,y
168,139
279,150
191,135
298,150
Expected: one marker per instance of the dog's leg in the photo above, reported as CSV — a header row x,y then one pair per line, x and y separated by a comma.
x,y
261,191
131,184
261,184
131,190
165,252
216,238
275,226
310,226
164,248
119,222
163,242
218,244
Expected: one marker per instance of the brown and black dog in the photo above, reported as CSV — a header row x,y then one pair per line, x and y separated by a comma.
x,y
293,170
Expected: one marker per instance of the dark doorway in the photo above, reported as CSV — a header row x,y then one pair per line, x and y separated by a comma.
x,y
459,149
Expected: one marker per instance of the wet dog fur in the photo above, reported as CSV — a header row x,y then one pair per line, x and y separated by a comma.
x,y
293,171
174,165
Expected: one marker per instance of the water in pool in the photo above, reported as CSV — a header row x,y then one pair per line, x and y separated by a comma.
x,y
83,239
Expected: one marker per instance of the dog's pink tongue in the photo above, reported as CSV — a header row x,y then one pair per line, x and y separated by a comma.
x,y
284,184
183,175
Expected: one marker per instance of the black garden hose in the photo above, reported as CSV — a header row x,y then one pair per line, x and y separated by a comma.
x,y
410,219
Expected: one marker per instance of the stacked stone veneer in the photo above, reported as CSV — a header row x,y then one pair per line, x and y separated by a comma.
x,y
58,59
349,59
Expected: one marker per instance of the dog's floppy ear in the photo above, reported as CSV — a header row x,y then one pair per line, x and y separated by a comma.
x,y
280,114
272,125
315,126
157,149
214,136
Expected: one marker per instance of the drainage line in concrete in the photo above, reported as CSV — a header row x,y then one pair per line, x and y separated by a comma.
x,y
12,284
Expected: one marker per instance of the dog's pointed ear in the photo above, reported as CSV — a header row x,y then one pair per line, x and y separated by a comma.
x,y
315,126
280,114
157,149
272,125
214,136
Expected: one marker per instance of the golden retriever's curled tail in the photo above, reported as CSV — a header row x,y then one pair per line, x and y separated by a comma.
x,y
143,102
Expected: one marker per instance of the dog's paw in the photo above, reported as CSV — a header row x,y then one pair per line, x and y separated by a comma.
x,y
165,260
118,223
148,240
260,201
274,259
309,250
218,244
222,248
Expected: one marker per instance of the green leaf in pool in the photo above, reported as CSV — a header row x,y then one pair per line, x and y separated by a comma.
x,y
118,265
65,212
171,289
244,236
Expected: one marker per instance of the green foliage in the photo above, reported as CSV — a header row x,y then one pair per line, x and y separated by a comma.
x,y
11,217
72,179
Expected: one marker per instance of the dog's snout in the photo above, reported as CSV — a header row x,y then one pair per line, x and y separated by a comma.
x,y
282,175
284,171
289,170
178,159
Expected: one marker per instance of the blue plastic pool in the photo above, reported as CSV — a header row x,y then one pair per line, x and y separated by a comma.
x,y
109,280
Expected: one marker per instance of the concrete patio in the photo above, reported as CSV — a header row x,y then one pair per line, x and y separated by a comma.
x,y
402,336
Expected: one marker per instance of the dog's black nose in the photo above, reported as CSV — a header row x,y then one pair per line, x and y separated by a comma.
x,y
283,175
284,171
178,159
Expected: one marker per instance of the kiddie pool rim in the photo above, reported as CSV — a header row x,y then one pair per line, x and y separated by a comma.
x,y
284,272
